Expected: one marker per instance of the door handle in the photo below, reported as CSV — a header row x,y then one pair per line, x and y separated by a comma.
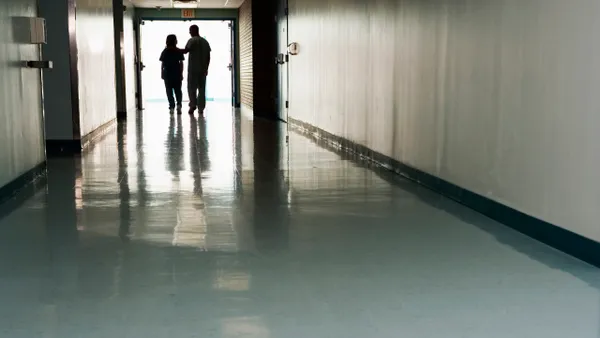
x,y
230,66
38,64
280,59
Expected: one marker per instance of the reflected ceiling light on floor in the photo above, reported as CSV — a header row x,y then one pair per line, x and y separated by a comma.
x,y
184,3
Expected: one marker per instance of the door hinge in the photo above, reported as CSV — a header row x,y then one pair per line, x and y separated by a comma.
x,y
229,25
286,11
287,139
287,104
287,58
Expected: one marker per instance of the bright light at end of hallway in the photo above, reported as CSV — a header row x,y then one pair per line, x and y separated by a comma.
x,y
219,85
96,45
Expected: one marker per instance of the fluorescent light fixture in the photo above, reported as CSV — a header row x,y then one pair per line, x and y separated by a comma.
x,y
184,4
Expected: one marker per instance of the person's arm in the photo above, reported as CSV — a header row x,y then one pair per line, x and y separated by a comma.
x,y
207,63
162,65
208,58
187,48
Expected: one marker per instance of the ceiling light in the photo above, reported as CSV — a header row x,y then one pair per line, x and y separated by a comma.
x,y
184,4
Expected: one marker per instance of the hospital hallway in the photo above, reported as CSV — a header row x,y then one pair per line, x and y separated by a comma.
x,y
214,226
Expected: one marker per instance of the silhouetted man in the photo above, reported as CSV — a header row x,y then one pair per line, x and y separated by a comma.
x,y
198,62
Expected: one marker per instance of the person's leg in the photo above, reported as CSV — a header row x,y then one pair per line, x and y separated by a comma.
x,y
202,92
178,93
169,88
192,90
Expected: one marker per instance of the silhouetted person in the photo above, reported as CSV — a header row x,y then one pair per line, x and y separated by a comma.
x,y
172,72
198,62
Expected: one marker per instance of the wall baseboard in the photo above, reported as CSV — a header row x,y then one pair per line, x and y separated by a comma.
x,y
26,185
557,237
97,134
56,148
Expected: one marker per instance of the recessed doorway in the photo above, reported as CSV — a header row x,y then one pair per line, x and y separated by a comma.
x,y
219,33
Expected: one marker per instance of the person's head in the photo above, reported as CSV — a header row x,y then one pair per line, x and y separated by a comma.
x,y
171,40
194,30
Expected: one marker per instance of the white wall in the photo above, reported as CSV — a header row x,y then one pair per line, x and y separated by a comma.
x,y
21,124
96,64
497,96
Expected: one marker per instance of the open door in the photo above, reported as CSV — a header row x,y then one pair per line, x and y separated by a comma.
x,y
219,85
283,59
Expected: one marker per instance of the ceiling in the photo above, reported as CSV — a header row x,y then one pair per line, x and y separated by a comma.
x,y
201,3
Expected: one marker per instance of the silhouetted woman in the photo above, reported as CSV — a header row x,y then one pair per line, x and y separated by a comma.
x,y
172,72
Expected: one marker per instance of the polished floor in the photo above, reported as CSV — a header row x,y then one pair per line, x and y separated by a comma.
x,y
215,227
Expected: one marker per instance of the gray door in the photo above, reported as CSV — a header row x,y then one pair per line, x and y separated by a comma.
x,y
283,59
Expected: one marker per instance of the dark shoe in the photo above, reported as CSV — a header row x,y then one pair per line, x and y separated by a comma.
x,y
171,111
192,110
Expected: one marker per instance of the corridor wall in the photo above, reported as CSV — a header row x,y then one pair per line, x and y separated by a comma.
x,y
96,63
21,123
498,97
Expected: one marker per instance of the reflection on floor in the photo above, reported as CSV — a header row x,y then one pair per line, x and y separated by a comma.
x,y
214,227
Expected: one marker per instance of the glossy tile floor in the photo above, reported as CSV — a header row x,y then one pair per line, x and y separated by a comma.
x,y
213,227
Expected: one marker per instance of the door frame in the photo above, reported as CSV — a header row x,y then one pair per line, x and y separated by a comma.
x,y
236,48
139,99
233,65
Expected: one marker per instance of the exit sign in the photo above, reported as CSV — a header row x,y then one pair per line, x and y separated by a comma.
x,y
188,13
